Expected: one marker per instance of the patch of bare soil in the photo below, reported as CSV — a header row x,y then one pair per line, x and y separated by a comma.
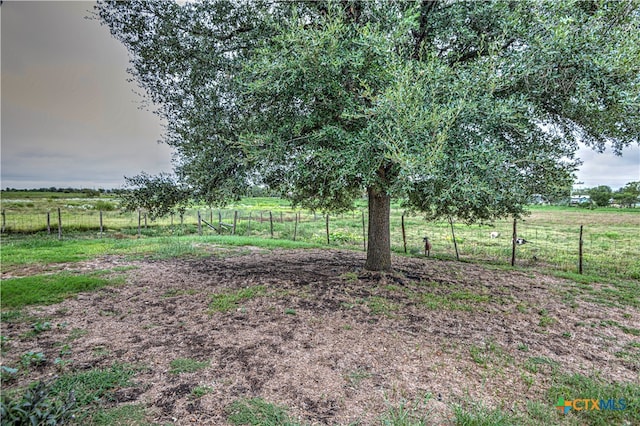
x,y
331,342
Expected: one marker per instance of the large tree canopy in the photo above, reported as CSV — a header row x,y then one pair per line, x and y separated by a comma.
x,y
463,109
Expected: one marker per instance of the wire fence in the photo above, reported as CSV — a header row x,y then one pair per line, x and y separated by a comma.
x,y
608,250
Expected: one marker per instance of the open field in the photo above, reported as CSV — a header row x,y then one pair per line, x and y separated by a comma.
x,y
610,236
229,330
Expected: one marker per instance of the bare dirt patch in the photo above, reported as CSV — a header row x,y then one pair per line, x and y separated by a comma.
x,y
331,342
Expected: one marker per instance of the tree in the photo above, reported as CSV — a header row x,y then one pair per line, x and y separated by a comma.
x,y
463,109
629,195
600,195
158,195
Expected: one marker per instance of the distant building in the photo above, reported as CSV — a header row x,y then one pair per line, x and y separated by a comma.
x,y
538,199
579,199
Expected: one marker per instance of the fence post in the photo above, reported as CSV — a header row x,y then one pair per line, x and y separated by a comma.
x,y
139,223
4,221
453,235
271,223
199,223
249,226
281,217
404,235
59,224
328,242
295,228
100,223
364,235
513,244
235,221
145,221
580,252
219,222
48,222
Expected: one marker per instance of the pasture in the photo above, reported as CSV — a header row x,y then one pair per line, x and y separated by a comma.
x,y
179,328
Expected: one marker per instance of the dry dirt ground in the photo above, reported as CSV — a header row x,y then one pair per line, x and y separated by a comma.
x,y
331,342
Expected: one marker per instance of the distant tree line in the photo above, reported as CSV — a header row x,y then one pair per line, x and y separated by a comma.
x,y
89,192
603,196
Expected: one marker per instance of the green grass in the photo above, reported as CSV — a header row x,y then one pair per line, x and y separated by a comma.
x,y
93,385
258,412
610,235
200,391
479,415
125,415
381,306
187,365
578,386
224,302
49,289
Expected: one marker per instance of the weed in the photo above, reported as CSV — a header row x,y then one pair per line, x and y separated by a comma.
x,y
200,391
224,302
100,351
257,412
479,415
37,407
355,377
32,358
290,311
186,365
350,277
11,316
546,321
379,305
124,415
93,385
76,333
7,373
39,327
4,344
489,352
535,364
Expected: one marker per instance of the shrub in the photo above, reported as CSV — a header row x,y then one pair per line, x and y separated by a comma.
x,y
36,407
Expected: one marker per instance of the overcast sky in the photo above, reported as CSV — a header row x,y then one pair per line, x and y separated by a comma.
x,y
70,118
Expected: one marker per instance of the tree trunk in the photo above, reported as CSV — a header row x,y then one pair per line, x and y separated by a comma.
x,y
379,245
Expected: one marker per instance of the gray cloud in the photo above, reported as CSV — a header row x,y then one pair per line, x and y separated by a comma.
x,y
609,169
70,118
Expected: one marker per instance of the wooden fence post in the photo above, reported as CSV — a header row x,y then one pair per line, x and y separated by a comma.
x,y
295,228
219,222
199,223
513,244
139,223
453,235
4,221
328,242
404,235
271,223
100,223
364,235
249,226
59,224
580,252
48,222
235,221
